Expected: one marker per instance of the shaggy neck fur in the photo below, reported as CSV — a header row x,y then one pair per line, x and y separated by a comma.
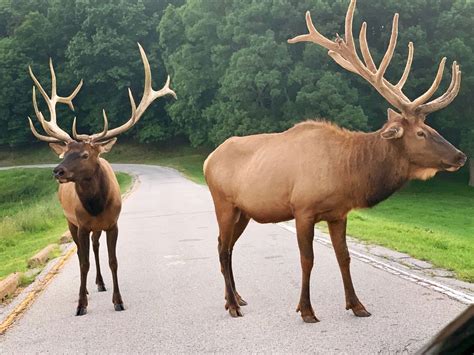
x,y
93,192
377,166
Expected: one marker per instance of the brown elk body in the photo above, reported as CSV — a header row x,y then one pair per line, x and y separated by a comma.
x,y
89,192
317,171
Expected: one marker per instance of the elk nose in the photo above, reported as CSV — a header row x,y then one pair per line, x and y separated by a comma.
x,y
461,158
58,172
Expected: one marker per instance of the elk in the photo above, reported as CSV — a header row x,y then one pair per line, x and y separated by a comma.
x,y
317,171
89,192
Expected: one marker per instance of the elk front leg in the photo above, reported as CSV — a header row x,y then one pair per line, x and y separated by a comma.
x,y
305,235
83,247
99,281
337,230
112,235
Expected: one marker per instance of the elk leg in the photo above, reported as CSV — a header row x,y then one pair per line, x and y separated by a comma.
x,y
99,281
238,230
74,230
226,220
83,248
112,235
305,235
337,230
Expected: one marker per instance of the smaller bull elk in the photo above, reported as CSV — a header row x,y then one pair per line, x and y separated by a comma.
x,y
89,192
317,171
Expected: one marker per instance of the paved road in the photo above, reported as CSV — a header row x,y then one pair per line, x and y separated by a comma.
x,y
173,291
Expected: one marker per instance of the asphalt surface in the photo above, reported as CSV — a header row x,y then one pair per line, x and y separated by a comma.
x,y
173,290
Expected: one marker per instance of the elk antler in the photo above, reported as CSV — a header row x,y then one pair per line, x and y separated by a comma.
x,y
344,53
55,133
149,95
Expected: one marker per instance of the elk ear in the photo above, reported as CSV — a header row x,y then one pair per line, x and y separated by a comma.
x,y
105,147
392,132
59,149
393,115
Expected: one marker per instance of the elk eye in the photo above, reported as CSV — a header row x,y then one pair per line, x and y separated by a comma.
x,y
85,156
421,134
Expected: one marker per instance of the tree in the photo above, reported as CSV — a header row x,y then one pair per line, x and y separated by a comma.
x,y
230,64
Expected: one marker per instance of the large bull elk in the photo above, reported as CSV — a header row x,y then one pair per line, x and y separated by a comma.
x,y
89,192
317,171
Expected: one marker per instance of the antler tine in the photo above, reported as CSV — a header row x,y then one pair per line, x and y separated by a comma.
x,y
434,86
406,72
68,99
40,136
94,137
365,49
38,85
149,95
450,94
314,36
348,25
148,87
53,79
165,90
75,135
390,50
39,115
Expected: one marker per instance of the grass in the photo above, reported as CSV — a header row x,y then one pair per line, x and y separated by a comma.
x,y
431,220
30,215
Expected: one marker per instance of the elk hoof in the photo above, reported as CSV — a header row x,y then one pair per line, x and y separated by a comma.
x,y
241,301
361,312
358,310
119,307
307,314
101,288
80,311
310,319
235,312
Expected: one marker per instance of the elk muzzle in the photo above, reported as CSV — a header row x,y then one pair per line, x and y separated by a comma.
x,y
61,174
458,162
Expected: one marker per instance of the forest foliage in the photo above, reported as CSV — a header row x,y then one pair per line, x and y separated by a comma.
x,y
230,64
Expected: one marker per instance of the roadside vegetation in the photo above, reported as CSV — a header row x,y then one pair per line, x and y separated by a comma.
x,y
30,215
430,220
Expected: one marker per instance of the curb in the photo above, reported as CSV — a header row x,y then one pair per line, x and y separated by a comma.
x,y
65,238
41,257
37,288
8,285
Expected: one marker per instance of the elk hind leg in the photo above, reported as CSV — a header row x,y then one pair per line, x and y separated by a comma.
x,y
305,235
226,217
238,230
99,281
112,235
337,230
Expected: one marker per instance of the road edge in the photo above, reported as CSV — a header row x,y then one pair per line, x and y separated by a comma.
x,y
394,268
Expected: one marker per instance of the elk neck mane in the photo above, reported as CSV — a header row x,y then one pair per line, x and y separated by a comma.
x,y
374,167
93,192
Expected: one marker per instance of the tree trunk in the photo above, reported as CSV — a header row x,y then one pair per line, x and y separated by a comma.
x,y
471,172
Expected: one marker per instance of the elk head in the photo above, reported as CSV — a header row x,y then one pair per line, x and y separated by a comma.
x,y
426,150
81,152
